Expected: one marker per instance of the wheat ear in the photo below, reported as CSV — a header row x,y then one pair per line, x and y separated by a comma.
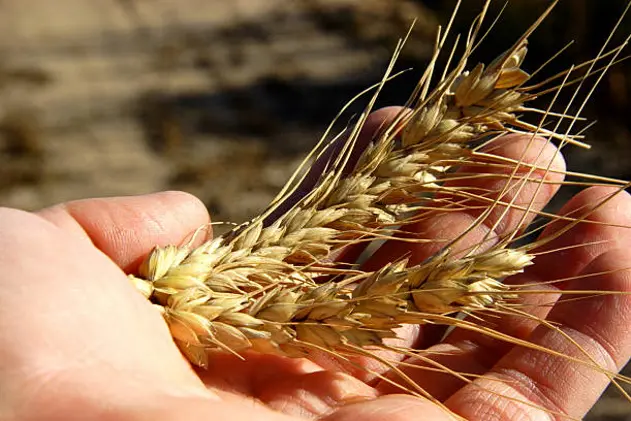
x,y
271,286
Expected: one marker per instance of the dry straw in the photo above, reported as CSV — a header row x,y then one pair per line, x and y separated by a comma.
x,y
274,284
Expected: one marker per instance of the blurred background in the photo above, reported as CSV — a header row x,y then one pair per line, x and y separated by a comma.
x,y
223,98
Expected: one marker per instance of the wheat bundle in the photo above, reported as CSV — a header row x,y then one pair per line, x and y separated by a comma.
x,y
283,283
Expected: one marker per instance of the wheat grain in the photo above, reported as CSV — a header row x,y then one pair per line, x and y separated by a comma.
x,y
270,285
335,314
387,178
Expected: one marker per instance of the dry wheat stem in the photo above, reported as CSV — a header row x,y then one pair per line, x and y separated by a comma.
x,y
270,285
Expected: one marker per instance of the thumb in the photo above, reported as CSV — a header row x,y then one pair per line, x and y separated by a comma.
x,y
127,228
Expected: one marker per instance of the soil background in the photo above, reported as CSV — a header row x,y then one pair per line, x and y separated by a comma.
x,y
223,98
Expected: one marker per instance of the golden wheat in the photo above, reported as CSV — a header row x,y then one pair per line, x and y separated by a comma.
x,y
274,284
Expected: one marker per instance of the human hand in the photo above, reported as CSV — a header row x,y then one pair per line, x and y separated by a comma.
x,y
77,342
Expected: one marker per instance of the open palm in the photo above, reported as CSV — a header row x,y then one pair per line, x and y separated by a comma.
x,y
78,342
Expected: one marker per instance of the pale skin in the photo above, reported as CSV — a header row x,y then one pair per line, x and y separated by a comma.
x,y
78,342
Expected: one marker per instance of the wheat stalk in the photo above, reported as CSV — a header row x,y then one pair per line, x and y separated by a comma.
x,y
272,286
